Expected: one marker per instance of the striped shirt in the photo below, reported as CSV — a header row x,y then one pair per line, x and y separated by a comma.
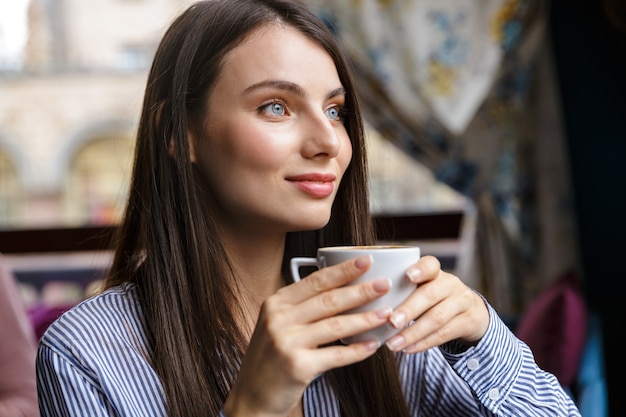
x,y
94,361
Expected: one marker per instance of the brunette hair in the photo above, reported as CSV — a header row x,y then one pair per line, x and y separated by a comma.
x,y
168,245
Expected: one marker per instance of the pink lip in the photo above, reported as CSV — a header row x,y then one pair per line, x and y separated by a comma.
x,y
315,184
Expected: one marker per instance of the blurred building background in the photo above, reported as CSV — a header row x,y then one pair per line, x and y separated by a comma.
x,y
68,109
69,106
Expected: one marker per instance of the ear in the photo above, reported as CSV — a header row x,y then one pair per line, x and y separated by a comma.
x,y
192,147
191,143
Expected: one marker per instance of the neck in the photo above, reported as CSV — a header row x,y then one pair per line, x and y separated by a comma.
x,y
257,265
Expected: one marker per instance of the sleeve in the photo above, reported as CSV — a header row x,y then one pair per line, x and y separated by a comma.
x,y
504,378
18,393
65,391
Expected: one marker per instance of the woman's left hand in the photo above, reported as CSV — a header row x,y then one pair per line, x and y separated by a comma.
x,y
442,309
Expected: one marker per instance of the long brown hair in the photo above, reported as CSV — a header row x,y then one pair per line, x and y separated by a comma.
x,y
168,245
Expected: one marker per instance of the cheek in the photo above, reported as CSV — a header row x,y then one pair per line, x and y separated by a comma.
x,y
345,154
254,149
239,148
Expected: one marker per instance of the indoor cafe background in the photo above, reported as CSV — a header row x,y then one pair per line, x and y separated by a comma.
x,y
470,107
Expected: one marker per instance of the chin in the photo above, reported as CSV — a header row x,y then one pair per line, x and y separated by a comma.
x,y
311,224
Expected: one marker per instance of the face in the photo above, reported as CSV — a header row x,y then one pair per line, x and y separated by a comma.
x,y
274,148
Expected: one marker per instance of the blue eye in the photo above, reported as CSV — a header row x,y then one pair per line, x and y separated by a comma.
x,y
335,113
275,108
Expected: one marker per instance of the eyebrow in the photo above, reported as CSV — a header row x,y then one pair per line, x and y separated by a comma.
x,y
292,88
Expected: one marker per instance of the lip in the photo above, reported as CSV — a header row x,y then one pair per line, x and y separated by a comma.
x,y
318,185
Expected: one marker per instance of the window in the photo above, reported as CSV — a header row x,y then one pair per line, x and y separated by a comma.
x,y
96,185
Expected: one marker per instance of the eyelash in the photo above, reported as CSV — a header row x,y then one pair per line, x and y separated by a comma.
x,y
265,108
342,111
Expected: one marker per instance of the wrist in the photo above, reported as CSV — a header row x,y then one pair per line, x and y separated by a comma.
x,y
237,408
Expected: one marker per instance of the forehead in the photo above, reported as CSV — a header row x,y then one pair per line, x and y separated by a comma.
x,y
276,49
275,30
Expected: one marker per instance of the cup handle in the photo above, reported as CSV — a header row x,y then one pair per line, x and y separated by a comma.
x,y
297,263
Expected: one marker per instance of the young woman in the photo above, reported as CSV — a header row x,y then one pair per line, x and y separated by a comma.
x,y
249,152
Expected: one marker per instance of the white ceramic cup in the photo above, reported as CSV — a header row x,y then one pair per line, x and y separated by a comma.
x,y
387,262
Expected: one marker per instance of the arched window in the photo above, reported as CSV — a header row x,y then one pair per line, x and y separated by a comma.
x,y
97,181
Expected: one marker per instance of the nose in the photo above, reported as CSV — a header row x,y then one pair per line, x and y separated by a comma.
x,y
322,138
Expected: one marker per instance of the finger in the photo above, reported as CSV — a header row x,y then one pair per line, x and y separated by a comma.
x,y
341,326
463,316
422,299
339,300
425,269
336,356
325,279
451,331
438,325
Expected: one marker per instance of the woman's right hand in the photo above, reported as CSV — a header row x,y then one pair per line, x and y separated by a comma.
x,y
287,349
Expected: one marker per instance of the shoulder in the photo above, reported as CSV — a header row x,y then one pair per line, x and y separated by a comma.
x,y
112,317
96,355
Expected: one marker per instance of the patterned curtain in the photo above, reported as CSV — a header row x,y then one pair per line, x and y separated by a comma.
x,y
465,87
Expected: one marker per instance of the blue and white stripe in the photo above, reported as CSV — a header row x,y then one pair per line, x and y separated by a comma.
x,y
94,361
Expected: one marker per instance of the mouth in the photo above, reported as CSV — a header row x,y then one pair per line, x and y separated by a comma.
x,y
313,177
314,185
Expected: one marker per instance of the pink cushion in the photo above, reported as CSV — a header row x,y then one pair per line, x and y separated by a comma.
x,y
555,328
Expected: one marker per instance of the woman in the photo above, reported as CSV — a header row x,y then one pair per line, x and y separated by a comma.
x,y
250,151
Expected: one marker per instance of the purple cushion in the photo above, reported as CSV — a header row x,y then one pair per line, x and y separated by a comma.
x,y
42,316
554,326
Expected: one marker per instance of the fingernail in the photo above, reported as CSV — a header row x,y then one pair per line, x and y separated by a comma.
x,y
372,345
363,261
382,285
395,342
384,313
414,274
398,319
